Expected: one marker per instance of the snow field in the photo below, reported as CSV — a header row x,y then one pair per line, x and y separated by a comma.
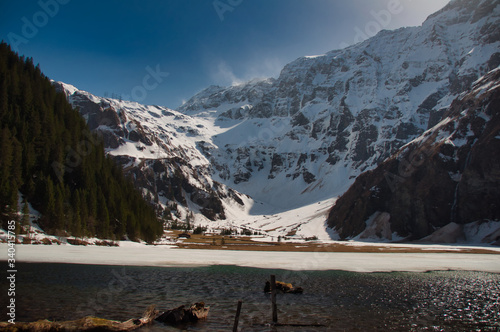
x,y
132,254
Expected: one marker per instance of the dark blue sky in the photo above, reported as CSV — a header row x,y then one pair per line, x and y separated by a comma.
x,y
163,52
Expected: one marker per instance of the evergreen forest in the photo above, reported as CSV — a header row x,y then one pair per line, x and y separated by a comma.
x,y
49,158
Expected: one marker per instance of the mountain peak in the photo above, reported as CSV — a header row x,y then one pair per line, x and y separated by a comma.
x,y
305,136
467,10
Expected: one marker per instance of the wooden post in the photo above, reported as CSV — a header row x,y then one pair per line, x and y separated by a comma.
x,y
237,317
273,298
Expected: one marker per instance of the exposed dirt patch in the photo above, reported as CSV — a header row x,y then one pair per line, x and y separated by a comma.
x,y
218,242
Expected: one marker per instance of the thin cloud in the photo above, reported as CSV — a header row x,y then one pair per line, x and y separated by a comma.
x,y
224,75
270,67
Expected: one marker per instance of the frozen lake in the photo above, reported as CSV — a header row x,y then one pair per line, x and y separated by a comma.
x,y
133,254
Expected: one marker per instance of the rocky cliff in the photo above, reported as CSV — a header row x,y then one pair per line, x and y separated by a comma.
x,y
154,146
438,184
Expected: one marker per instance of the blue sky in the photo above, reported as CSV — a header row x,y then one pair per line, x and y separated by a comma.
x,y
163,52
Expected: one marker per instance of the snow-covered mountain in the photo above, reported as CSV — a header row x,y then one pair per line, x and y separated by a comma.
x,y
159,148
262,154
306,135
443,186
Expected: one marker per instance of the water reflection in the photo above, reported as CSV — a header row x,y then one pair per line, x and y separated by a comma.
x,y
341,301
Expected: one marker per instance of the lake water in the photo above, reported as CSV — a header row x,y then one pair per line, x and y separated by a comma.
x,y
339,301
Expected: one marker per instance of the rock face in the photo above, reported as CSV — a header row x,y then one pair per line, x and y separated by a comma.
x,y
339,114
154,146
446,178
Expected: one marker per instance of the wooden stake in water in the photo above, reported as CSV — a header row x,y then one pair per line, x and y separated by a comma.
x,y
273,298
237,317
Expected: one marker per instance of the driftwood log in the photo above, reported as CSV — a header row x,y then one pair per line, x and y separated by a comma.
x,y
182,315
176,316
283,287
84,324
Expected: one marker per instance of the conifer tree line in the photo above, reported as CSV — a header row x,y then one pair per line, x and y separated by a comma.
x,y
39,129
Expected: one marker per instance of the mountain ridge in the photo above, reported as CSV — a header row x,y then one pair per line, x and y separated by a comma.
x,y
436,184
360,104
304,137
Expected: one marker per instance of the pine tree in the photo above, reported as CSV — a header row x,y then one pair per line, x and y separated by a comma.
x,y
48,198
5,168
189,219
25,221
59,217
4,106
76,225
103,217
17,161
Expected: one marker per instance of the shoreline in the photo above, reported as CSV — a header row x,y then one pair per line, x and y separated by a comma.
x,y
345,247
134,254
